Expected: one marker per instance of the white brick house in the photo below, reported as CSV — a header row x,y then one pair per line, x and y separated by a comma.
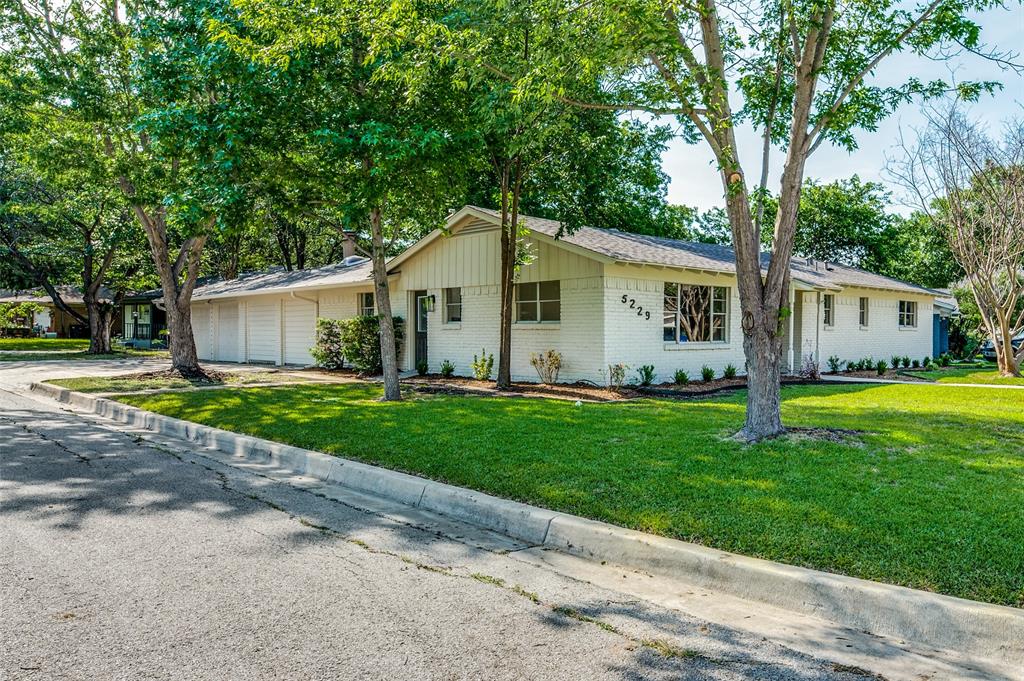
x,y
598,297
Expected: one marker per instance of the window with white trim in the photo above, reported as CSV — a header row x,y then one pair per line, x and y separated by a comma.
x,y
865,307
452,305
695,314
908,313
366,306
830,309
539,302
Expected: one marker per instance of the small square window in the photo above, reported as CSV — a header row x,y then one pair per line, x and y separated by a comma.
x,y
452,305
908,314
366,306
539,301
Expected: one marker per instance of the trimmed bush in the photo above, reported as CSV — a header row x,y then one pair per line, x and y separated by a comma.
x,y
645,374
681,377
421,367
707,373
360,342
328,351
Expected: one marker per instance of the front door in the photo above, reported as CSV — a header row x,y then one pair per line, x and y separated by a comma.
x,y
421,328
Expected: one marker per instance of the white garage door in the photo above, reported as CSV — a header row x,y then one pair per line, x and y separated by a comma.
x,y
264,327
227,332
299,331
201,331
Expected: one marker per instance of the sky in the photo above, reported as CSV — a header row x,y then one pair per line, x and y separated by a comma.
x,y
694,181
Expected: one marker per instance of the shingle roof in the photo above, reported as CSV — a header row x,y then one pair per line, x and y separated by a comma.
x,y
654,250
69,294
279,279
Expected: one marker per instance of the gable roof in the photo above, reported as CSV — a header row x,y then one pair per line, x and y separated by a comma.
x,y
352,271
612,245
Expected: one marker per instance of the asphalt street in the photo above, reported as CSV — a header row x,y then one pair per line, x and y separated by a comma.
x,y
122,557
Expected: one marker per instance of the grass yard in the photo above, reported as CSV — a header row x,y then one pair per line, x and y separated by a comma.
x,y
982,374
76,356
929,496
44,344
134,383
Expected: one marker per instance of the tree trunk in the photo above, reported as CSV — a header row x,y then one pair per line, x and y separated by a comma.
x,y
388,355
100,315
181,342
509,231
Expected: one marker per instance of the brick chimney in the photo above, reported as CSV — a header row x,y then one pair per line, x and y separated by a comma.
x,y
348,247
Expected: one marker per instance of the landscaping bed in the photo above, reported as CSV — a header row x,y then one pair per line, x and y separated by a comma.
x,y
915,485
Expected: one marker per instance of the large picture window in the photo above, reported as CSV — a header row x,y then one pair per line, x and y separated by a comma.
x,y
538,302
696,314
908,313
452,305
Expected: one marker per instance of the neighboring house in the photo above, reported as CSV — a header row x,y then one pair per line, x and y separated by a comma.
x,y
946,308
53,320
597,296
143,319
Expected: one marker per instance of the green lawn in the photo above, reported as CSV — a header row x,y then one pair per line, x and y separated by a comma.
x,y
133,383
76,356
982,374
929,496
44,344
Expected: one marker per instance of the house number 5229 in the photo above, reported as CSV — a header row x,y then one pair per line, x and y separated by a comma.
x,y
640,311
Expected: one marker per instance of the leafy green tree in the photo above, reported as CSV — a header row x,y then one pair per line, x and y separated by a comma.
x,y
804,72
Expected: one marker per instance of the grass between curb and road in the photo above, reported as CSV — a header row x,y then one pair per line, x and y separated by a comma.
x,y
926,495
77,355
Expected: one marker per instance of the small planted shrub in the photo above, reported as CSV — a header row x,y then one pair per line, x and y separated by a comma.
x,y
894,362
881,367
916,364
707,374
421,367
926,362
447,369
328,351
681,377
944,360
547,364
482,366
850,366
616,375
833,364
906,362
645,374
730,371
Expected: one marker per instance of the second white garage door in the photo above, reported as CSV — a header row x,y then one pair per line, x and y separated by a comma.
x,y
263,325
227,332
299,331
201,331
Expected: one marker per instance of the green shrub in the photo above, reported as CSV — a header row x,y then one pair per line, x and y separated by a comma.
x,y
645,374
482,366
447,369
881,367
328,351
707,373
360,342
421,367
834,363
926,362
915,364
944,359
547,364
730,371
906,362
681,377
850,366
894,362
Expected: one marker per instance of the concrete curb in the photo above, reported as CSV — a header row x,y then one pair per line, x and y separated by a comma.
x,y
938,621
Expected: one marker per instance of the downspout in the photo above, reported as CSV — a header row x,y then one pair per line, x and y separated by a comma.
x,y
792,340
817,331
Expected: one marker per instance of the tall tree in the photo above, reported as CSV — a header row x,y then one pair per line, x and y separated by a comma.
x,y
803,71
972,185
170,110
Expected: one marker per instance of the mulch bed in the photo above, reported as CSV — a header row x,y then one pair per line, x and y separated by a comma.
x,y
207,377
890,375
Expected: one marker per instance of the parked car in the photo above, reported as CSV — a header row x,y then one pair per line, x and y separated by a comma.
x,y
988,349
